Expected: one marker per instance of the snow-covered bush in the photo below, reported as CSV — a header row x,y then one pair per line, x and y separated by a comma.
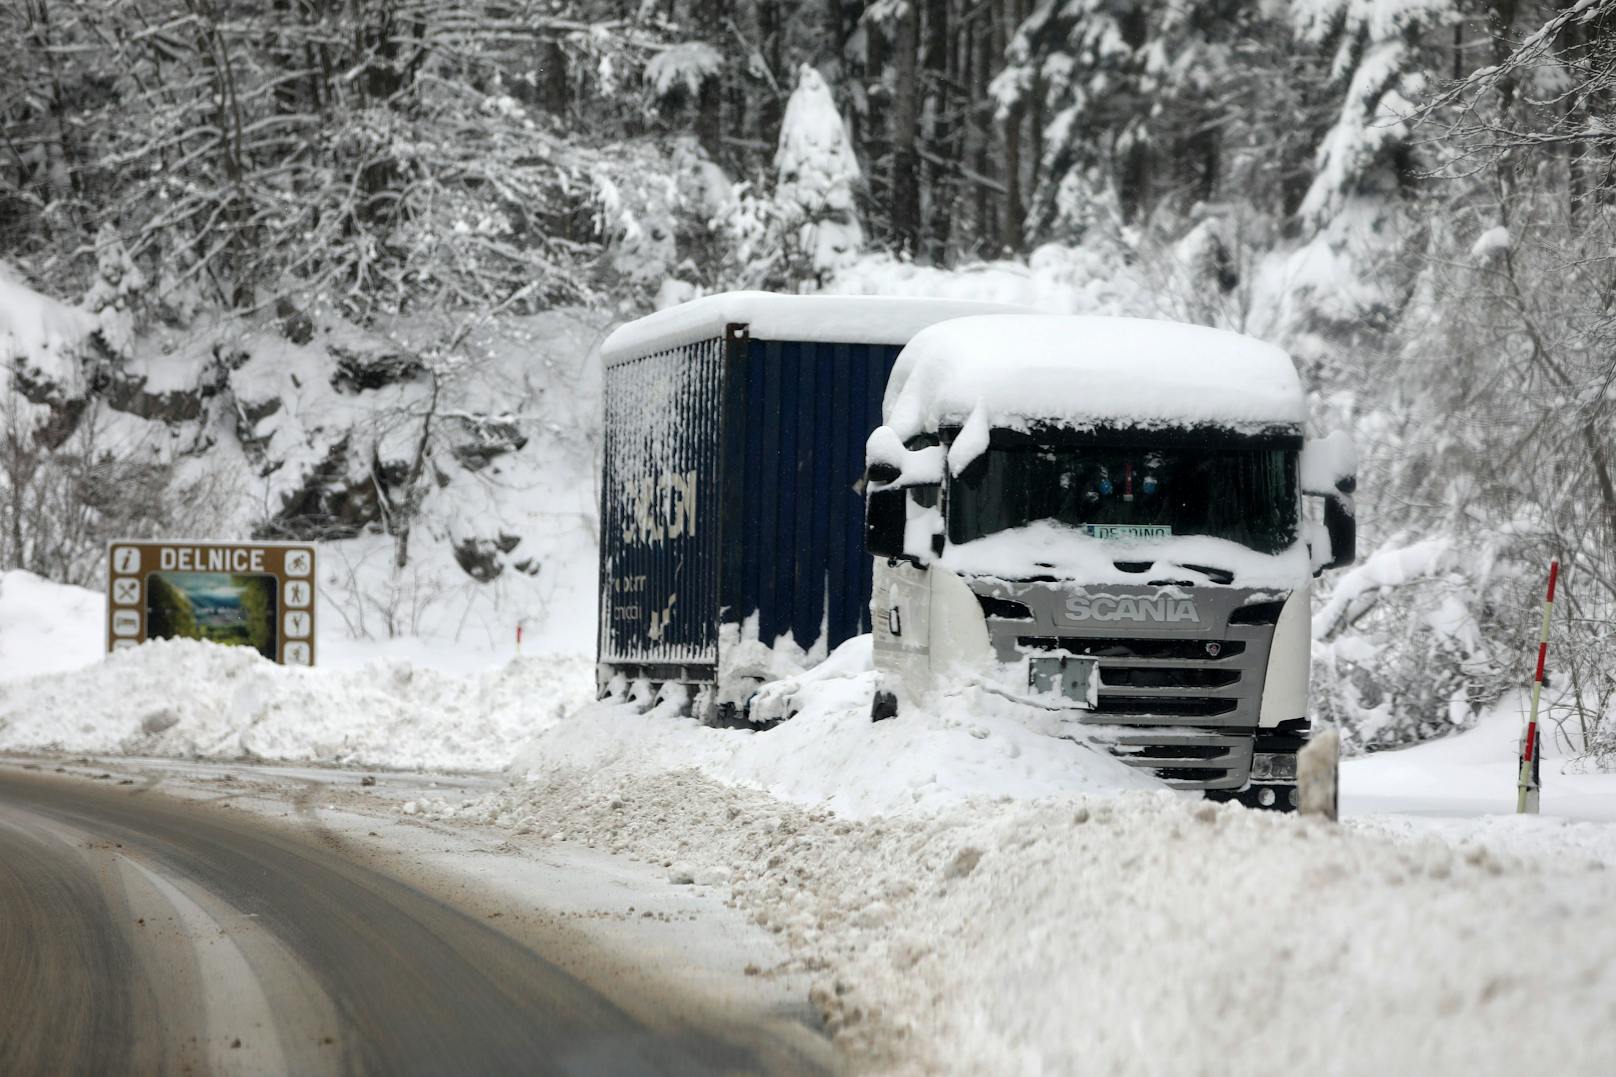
x,y
682,68
818,175
116,290
1401,651
663,211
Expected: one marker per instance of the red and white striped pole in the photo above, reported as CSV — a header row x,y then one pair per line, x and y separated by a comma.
x,y
1528,784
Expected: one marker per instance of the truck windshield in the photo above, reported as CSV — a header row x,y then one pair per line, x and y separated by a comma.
x,y
1245,495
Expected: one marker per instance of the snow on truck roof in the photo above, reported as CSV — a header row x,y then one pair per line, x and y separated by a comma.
x,y
1083,369
841,319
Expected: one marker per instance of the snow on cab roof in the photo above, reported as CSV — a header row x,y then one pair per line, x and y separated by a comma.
x,y
842,319
1090,370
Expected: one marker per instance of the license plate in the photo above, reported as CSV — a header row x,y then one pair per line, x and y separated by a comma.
x,y
1127,532
1073,680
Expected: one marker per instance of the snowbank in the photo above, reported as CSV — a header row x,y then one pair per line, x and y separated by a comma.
x,y
192,699
406,703
831,755
1139,933
974,895
47,627
1471,775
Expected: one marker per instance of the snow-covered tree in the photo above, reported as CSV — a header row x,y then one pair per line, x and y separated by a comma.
x,y
818,174
114,293
682,69
1378,58
1128,88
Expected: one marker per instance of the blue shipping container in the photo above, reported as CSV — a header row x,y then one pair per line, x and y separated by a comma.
x,y
731,510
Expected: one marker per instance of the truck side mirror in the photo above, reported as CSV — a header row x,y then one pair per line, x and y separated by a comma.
x,y
1342,527
891,471
886,514
1329,470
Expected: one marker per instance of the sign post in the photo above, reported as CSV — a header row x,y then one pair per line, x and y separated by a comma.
x,y
1528,782
253,594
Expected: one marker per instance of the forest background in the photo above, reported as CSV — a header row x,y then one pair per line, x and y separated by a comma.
x,y
298,256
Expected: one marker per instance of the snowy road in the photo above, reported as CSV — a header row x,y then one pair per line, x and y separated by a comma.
x,y
149,933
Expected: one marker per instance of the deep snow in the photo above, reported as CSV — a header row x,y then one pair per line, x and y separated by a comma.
x,y
768,316
968,894
1074,369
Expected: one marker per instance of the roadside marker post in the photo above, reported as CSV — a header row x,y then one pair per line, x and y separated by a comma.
x,y
1529,779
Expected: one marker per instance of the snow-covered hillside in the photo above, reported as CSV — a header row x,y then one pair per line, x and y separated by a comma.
x,y
447,466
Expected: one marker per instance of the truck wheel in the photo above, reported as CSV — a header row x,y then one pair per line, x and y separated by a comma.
x,y
883,706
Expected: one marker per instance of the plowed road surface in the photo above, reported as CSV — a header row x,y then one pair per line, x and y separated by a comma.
x,y
143,934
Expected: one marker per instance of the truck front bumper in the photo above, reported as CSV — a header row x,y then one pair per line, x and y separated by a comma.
x,y
1272,781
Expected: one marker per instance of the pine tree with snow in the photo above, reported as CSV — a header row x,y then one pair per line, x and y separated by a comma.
x,y
817,175
1132,90
1380,63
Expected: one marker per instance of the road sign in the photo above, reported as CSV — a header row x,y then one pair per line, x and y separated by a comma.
x,y
252,594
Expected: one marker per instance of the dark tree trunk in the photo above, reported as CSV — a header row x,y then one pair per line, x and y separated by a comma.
x,y
905,133
937,166
1015,206
710,101
553,78
975,44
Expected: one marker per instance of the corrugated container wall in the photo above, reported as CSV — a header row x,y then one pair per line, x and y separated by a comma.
x,y
765,439
797,419
660,536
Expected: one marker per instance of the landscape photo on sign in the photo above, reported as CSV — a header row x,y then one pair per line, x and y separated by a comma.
x,y
237,610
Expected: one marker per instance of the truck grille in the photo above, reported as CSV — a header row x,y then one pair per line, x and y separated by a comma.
x,y
1171,706
1186,650
1158,677
1141,685
1189,758
1166,706
1180,699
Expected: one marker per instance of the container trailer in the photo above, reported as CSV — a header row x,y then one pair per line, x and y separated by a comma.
x,y
732,516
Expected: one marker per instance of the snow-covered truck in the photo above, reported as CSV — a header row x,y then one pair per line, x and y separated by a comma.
x,y
732,519
1105,518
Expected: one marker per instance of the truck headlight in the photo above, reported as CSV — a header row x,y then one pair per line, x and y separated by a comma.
x,y
1271,766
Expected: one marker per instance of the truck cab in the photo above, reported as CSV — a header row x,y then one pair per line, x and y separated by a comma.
x,y
1106,519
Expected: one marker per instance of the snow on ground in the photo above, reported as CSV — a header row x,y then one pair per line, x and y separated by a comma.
x,y
968,894
192,699
976,897
1132,933
403,703
1462,788
830,755
48,627
40,330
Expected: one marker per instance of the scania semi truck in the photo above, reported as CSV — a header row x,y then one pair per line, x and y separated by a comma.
x,y
1115,521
